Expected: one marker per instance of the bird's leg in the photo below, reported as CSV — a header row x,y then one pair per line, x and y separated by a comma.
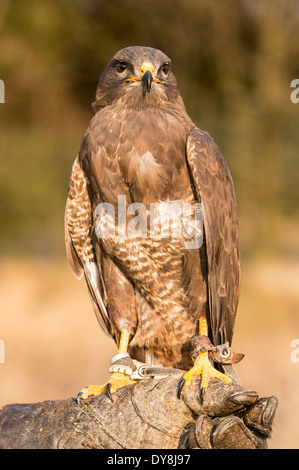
x,y
202,366
117,380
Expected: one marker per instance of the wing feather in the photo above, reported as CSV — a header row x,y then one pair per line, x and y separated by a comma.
x,y
213,186
79,245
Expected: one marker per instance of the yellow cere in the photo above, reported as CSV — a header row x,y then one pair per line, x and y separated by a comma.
x,y
147,66
144,67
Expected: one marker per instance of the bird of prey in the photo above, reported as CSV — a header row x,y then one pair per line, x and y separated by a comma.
x,y
152,292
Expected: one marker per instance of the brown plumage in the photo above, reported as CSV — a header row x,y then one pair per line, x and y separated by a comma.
x,y
142,145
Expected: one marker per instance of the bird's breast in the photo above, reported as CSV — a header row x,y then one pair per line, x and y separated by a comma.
x,y
151,156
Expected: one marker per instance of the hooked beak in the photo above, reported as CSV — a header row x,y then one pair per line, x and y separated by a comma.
x,y
147,79
146,76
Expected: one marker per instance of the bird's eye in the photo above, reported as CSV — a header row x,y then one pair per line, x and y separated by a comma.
x,y
121,67
165,68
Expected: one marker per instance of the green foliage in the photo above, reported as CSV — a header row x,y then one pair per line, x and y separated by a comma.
x,y
234,61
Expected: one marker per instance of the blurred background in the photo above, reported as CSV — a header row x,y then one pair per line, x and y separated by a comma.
x,y
234,62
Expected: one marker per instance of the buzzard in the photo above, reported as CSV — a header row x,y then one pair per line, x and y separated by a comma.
x,y
150,289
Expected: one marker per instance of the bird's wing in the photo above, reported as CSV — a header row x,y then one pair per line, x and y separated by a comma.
x,y
79,244
214,188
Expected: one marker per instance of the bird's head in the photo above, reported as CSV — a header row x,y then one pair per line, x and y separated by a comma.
x,y
137,76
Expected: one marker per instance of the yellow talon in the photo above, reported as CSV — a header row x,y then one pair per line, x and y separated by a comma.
x,y
202,366
117,379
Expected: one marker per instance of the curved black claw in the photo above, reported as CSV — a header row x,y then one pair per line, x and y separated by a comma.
x,y
79,398
180,386
108,390
202,391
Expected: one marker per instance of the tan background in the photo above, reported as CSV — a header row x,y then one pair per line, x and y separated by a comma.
x,y
234,62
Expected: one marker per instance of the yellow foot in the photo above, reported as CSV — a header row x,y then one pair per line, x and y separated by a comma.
x,y
117,380
203,367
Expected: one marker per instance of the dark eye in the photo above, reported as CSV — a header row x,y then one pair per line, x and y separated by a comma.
x,y
121,67
165,68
